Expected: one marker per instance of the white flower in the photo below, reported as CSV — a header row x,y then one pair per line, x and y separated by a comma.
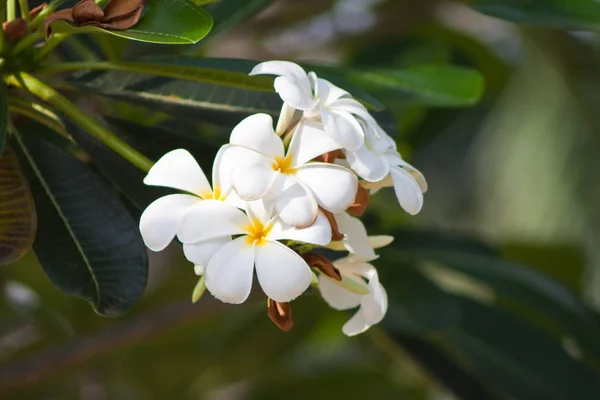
x,y
296,186
319,99
282,273
379,163
356,240
373,305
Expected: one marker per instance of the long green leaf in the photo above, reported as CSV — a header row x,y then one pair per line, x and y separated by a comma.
x,y
566,14
163,21
87,243
18,220
517,360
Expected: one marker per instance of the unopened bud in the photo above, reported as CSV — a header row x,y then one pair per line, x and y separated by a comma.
x,y
321,263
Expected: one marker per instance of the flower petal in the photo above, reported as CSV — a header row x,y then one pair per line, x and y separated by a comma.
x,y
294,202
256,132
416,174
333,186
160,220
286,116
179,170
310,141
282,274
356,239
378,241
356,325
318,233
260,210
407,190
229,273
283,68
253,181
368,165
228,159
336,296
200,253
343,128
294,94
328,92
374,305
211,219
351,106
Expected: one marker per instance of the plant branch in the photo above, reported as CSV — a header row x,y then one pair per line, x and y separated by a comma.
x,y
54,40
33,369
24,7
11,10
27,42
61,103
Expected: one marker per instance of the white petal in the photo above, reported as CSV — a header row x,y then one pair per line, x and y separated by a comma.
x,y
318,233
328,92
282,274
336,296
228,159
253,181
256,132
294,202
356,325
286,116
160,220
310,141
351,106
294,94
229,273
260,210
374,305
378,241
211,219
356,239
283,68
333,186
343,128
416,174
407,190
179,170
200,253
368,165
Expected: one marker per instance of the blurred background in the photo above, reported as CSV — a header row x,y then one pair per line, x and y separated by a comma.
x,y
511,220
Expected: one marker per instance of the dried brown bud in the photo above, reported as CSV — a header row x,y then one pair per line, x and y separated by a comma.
x,y
323,265
280,314
15,29
331,156
335,233
117,15
361,202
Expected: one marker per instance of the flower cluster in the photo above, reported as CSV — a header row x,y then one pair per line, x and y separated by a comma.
x,y
278,195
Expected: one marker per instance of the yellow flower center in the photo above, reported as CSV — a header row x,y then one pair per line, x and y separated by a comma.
x,y
284,165
257,233
214,195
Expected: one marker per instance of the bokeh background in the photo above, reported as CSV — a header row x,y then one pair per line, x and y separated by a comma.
x,y
515,174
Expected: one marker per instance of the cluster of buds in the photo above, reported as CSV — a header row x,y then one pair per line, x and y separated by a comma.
x,y
278,195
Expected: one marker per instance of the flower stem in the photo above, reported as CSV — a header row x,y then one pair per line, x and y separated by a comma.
x,y
54,40
24,6
27,42
45,12
11,10
62,104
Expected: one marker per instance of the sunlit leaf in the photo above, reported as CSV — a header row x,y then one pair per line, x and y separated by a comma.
x,y
163,21
87,243
566,14
17,211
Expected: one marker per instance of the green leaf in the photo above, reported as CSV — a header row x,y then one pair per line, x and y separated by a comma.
x,y
163,21
430,85
229,13
517,360
524,286
3,118
565,14
87,243
18,220
416,305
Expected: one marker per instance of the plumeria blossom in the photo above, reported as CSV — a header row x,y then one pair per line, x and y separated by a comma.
x,y
372,306
379,163
319,99
356,239
281,272
295,185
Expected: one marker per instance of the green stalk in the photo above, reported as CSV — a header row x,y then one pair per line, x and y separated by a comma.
x,y
62,104
45,12
11,10
24,6
27,42
54,40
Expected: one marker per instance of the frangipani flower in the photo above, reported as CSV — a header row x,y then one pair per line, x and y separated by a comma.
x,y
296,186
177,170
356,240
379,163
319,99
282,273
373,305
